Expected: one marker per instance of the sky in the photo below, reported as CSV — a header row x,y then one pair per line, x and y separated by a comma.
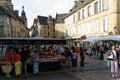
x,y
33,8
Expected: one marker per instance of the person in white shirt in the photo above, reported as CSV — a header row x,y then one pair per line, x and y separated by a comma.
x,y
114,62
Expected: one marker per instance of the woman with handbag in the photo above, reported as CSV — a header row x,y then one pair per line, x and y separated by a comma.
x,y
114,62
82,56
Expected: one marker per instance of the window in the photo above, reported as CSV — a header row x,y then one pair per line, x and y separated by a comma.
x,y
1,31
105,4
21,36
90,28
73,18
1,18
66,21
44,31
83,14
92,9
70,31
97,27
105,24
78,30
48,27
44,27
66,34
89,11
87,28
83,26
78,16
7,31
96,7
8,21
13,22
74,31
48,33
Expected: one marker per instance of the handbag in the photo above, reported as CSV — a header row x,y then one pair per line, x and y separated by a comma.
x,y
110,57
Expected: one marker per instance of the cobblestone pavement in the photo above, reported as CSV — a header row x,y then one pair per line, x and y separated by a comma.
x,y
46,76
94,70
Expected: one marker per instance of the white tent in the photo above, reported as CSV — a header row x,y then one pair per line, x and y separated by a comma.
x,y
97,38
112,37
92,39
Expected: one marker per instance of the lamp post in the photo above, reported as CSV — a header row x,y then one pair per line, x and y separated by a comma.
x,y
115,30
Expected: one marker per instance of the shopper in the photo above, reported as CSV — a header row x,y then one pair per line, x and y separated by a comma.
x,y
114,62
118,53
74,60
35,60
82,56
17,58
24,57
8,54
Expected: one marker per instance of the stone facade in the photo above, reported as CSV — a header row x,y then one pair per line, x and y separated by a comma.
x,y
11,24
43,26
59,26
93,18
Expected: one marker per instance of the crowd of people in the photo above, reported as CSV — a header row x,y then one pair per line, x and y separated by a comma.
x,y
75,55
110,49
20,56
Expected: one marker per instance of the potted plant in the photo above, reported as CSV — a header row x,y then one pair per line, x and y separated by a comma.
x,y
7,68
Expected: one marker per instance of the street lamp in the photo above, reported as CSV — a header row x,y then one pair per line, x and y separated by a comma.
x,y
115,30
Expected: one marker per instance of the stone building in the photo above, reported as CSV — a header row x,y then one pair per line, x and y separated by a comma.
x,y
43,26
59,26
89,18
11,24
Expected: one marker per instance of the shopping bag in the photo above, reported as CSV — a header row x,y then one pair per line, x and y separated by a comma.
x,y
110,57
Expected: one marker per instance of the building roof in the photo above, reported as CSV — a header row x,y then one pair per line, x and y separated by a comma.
x,y
10,13
7,12
59,18
2,11
77,6
42,20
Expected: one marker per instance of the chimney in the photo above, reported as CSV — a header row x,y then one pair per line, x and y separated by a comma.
x,y
70,10
81,1
75,1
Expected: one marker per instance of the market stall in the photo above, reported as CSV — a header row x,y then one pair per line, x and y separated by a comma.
x,y
48,63
48,60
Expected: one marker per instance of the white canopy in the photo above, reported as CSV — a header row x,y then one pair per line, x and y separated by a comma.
x,y
97,38
111,37
92,39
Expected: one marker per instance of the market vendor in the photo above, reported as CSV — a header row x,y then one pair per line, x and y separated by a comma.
x,y
8,54
17,62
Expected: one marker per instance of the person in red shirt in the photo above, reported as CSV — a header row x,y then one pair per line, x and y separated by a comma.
x,y
17,58
8,54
